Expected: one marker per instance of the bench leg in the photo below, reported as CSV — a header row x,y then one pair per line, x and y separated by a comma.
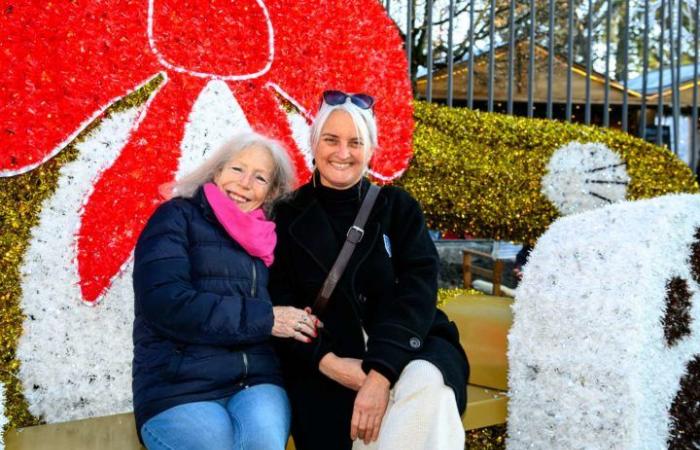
x,y
497,275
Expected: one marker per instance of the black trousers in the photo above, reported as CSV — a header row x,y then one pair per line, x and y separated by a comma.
x,y
321,413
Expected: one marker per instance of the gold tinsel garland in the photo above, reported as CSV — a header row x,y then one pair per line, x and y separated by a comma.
x,y
490,438
472,172
445,295
479,173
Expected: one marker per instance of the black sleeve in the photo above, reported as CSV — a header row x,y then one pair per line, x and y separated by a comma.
x,y
166,297
284,292
523,255
403,322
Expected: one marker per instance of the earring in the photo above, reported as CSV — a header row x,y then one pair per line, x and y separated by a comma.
x,y
313,172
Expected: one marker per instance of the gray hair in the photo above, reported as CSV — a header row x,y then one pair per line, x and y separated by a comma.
x,y
283,177
363,119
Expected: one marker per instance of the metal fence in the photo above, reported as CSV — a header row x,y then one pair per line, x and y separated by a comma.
x,y
628,64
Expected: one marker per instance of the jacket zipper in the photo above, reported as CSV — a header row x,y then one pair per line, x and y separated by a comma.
x,y
252,294
255,282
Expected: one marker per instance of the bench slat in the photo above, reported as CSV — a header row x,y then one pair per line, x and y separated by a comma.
x,y
116,432
486,407
484,322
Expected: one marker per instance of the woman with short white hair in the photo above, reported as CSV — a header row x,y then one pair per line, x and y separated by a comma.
x,y
387,370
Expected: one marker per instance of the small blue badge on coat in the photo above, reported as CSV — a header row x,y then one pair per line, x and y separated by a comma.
x,y
387,245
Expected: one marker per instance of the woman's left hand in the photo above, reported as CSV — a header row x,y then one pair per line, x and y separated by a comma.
x,y
299,324
370,406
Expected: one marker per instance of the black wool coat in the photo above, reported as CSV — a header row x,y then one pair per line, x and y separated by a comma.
x,y
389,288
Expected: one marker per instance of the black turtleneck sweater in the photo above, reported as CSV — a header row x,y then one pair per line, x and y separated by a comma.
x,y
341,206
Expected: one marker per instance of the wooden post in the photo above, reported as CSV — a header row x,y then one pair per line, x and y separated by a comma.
x,y
467,269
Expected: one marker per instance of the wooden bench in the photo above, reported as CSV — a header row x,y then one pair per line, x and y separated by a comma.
x,y
483,322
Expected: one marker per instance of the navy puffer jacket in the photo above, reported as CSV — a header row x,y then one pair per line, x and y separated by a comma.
x,y
203,315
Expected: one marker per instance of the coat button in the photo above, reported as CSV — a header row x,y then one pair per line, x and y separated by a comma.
x,y
362,298
414,342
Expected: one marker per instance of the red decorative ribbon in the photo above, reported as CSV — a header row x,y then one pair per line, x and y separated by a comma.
x,y
65,62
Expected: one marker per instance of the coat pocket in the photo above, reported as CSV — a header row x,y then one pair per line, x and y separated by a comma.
x,y
210,370
173,367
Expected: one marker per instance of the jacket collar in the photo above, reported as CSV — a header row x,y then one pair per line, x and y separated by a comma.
x,y
305,196
200,199
314,233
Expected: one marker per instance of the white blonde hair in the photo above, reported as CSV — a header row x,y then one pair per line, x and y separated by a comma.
x,y
363,119
283,177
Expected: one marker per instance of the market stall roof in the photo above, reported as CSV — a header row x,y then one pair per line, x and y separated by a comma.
x,y
520,79
664,78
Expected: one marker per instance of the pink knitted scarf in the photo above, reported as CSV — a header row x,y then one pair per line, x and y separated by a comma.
x,y
251,230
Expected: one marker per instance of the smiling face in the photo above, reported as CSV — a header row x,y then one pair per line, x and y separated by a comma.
x,y
340,154
246,177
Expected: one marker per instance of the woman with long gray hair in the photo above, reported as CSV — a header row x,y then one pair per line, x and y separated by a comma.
x,y
205,375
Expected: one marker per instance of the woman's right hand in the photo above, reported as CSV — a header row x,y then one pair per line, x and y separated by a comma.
x,y
291,322
346,371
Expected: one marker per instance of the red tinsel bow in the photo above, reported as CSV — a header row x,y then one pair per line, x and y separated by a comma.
x,y
65,62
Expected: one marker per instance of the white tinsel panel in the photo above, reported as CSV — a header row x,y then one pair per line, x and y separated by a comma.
x,y
215,117
75,358
3,419
582,176
589,364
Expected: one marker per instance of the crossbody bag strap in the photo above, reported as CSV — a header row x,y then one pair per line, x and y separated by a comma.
x,y
353,237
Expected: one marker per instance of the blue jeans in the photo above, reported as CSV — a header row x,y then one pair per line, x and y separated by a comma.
x,y
256,418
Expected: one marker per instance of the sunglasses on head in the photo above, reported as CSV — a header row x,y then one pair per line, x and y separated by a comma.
x,y
362,101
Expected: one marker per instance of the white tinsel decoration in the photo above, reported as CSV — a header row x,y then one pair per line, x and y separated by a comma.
x,y
589,364
581,177
215,117
3,419
76,358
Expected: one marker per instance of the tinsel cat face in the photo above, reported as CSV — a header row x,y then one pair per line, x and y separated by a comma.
x,y
582,176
